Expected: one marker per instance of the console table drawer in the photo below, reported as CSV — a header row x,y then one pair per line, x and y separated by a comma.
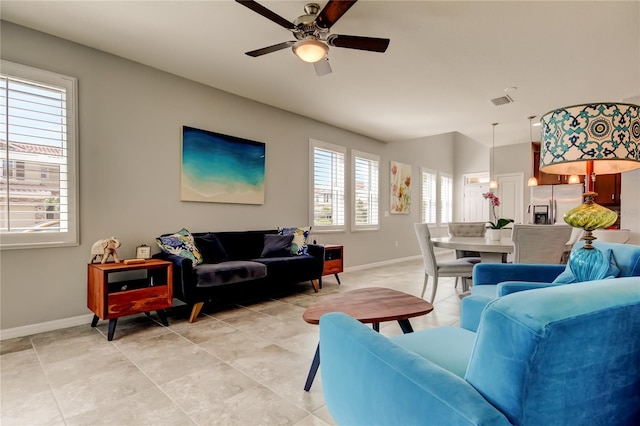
x,y
332,267
134,301
333,259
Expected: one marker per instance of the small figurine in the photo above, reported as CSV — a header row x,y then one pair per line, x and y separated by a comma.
x,y
105,248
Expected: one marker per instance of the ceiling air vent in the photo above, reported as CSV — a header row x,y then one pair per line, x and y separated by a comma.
x,y
502,100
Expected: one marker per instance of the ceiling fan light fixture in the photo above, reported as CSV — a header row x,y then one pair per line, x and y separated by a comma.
x,y
310,50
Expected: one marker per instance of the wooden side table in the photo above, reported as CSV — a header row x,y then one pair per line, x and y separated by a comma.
x,y
116,289
333,261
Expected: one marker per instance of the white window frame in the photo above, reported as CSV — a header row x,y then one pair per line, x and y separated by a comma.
x,y
374,191
68,236
445,204
339,224
423,218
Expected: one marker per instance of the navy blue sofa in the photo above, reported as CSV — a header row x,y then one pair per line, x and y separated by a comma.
x,y
239,260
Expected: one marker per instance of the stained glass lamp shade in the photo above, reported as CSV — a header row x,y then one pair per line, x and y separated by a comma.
x,y
590,139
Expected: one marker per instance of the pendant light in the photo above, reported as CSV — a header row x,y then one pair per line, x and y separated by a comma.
x,y
493,184
532,180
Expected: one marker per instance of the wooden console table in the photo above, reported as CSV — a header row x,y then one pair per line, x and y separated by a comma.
x,y
333,261
116,289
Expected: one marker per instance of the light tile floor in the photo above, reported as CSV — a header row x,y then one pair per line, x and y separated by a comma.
x,y
241,365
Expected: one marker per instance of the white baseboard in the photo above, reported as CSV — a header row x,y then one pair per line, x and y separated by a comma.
x,y
27,330
383,263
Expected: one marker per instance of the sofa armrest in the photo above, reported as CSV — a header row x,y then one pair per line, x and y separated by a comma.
x,y
367,379
494,273
183,285
508,287
316,250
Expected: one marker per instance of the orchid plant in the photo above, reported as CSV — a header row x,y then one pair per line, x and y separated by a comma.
x,y
495,202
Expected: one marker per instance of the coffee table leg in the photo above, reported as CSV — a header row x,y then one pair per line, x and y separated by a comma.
x,y
405,325
376,326
313,370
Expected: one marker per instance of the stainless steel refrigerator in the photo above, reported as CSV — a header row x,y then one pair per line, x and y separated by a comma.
x,y
550,202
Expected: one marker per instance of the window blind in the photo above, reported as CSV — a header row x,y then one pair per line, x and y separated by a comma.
x,y
446,199
36,189
428,197
328,187
366,192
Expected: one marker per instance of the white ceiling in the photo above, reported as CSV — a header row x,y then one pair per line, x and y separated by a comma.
x,y
446,59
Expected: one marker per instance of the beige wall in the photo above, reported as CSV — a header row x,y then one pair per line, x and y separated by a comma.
x,y
130,124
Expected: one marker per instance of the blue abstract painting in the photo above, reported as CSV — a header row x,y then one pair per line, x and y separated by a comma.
x,y
219,168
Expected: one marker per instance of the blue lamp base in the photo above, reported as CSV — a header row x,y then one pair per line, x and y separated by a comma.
x,y
588,264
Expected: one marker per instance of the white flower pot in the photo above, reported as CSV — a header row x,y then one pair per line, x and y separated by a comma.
x,y
494,234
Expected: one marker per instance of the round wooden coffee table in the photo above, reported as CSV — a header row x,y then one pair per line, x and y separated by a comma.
x,y
370,306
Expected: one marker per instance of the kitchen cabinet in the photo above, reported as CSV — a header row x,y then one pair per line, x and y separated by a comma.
x,y
608,189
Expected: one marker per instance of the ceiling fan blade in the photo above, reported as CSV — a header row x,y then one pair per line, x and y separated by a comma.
x,y
322,67
270,49
258,8
333,11
355,42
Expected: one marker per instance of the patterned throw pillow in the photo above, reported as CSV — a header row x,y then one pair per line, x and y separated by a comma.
x,y
180,244
300,238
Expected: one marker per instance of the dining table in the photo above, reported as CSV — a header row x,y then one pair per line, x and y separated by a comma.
x,y
492,251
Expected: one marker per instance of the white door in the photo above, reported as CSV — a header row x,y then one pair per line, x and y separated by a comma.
x,y
511,194
475,206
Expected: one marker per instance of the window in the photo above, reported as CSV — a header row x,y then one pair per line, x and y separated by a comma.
x,y
365,191
327,183
428,200
38,194
446,198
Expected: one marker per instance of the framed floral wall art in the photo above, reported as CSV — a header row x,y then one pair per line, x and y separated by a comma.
x,y
400,188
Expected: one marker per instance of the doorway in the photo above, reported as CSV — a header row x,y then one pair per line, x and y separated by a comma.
x,y
475,207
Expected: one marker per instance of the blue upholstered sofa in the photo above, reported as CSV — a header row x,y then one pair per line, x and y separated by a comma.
x,y
563,355
492,280
239,257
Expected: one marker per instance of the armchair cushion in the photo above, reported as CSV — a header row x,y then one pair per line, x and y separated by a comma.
x,y
429,343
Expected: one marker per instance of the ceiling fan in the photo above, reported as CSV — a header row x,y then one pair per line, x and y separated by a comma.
x,y
312,33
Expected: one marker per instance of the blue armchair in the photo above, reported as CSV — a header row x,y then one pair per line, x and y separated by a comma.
x,y
492,280
566,355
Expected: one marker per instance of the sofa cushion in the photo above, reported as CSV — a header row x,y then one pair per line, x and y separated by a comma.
x,y
243,245
289,269
180,244
211,248
229,272
300,239
277,246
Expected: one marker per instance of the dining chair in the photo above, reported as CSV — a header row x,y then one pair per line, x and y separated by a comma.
x,y
467,229
435,268
540,243
576,235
